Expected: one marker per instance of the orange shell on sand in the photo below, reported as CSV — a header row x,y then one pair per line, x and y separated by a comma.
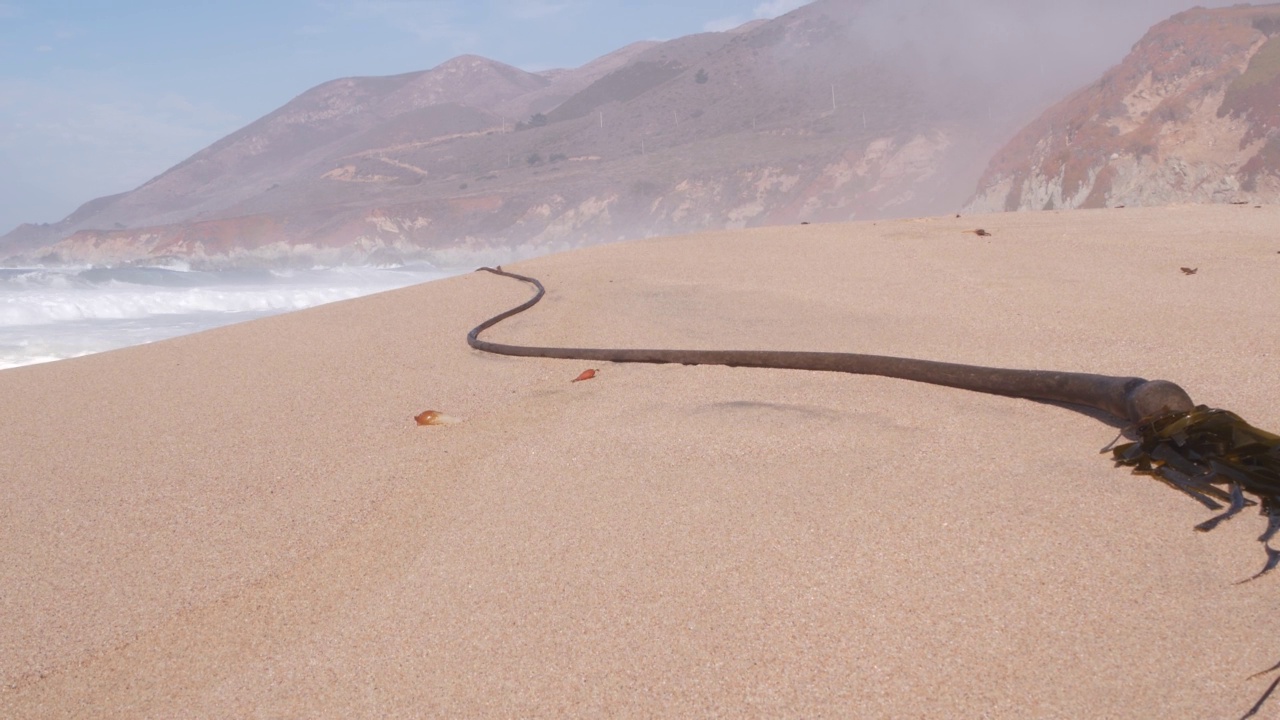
x,y
432,417
586,375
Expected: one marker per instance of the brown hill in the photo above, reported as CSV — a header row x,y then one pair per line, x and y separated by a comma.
x,y
810,116
1191,115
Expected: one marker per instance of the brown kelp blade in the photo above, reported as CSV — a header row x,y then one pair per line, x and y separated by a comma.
x,y
1208,454
1261,701
1237,504
1266,694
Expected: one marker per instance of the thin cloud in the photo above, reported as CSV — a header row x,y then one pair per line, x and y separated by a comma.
x,y
428,20
75,137
536,9
9,11
773,8
722,24
764,11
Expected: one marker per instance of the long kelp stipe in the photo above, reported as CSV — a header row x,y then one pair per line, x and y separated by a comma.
x,y
1212,455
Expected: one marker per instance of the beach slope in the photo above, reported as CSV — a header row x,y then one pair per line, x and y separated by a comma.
x,y
248,521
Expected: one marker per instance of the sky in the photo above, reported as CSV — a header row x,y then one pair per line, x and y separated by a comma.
x,y
99,96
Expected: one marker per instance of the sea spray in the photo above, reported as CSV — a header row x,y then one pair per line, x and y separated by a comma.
x,y
55,313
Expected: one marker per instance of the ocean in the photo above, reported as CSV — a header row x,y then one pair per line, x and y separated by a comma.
x,y
49,314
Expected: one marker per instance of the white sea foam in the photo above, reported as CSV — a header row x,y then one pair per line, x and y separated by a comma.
x,y
121,304
52,314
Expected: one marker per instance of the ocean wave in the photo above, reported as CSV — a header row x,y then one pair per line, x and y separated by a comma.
x,y
57,307
13,359
180,275
16,280
55,314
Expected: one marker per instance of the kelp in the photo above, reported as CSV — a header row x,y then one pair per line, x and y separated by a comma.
x,y
1211,455
1215,457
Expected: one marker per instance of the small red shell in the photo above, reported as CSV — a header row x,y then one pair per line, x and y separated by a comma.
x,y
586,375
429,417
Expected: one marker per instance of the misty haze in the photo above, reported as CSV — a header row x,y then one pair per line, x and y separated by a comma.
x,y
833,359
421,163
831,111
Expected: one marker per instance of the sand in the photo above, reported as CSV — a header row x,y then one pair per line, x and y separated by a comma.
x,y
248,523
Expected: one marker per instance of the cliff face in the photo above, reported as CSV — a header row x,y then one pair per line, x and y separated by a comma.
x,y
1191,115
797,118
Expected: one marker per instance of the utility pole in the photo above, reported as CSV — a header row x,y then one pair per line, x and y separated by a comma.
x,y
833,97
601,118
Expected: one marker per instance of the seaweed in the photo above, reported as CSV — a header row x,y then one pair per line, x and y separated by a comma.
x,y
1212,455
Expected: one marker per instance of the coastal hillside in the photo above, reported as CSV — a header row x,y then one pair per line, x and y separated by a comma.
x,y
1191,115
813,116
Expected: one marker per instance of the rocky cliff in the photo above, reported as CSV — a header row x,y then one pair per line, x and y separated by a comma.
x,y
1192,114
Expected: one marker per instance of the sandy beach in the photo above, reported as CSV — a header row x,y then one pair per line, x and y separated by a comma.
x,y
248,522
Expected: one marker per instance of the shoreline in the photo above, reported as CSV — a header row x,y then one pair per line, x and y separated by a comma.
x,y
50,314
248,520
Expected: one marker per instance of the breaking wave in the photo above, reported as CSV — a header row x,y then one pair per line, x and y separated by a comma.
x,y
55,313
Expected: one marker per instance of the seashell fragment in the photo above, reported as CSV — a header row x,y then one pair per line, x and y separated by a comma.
x,y
586,375
433,417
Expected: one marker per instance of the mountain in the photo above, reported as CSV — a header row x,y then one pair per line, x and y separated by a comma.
x,y
1192,114
810,116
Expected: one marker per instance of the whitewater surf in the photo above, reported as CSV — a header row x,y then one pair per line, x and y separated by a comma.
x,y
49,314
